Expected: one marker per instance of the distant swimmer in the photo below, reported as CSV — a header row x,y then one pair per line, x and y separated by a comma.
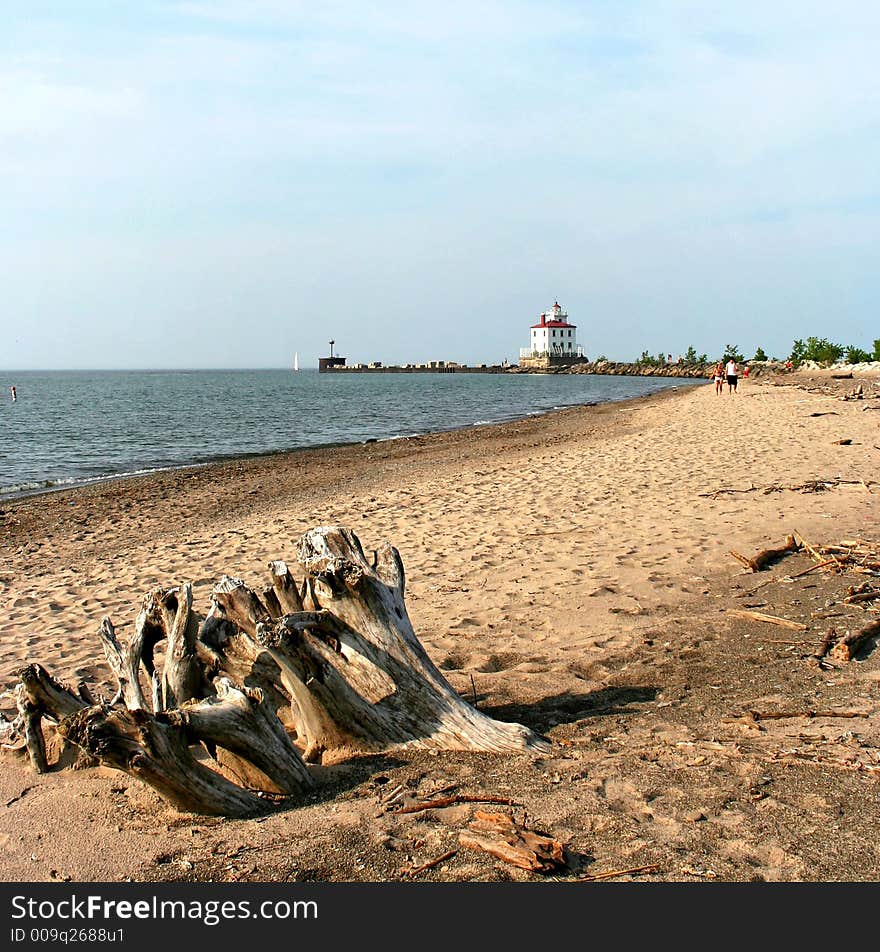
x,y
12,391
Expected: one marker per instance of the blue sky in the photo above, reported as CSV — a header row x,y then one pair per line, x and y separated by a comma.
x,y
221,184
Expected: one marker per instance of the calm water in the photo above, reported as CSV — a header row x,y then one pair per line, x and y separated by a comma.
x,y
73,427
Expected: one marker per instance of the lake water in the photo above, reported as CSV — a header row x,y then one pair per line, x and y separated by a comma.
x,y
70,427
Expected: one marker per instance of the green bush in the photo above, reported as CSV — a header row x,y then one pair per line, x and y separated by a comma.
x,y
816,348
731,352
648,360
759,354
855,355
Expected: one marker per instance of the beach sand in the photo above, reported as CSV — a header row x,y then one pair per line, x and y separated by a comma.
x,y
573,573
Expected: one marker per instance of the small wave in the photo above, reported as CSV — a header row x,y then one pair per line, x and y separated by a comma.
x,y
16,490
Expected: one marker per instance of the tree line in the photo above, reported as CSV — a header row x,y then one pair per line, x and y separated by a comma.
x,y
817,349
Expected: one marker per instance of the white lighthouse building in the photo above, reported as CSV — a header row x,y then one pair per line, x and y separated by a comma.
x,y
552,337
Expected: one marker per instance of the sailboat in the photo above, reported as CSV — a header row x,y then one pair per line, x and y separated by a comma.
x,y
296,361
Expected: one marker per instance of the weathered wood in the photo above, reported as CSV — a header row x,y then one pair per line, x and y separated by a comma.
x,y
336,660
769,556
501,836
813,568
440,802
825,647
379,686
142,745
39,696
240,720
240,605
30,718
182,678
784,715
769,619
415,870
259,656
149,630
50,697
847,647
273,606
614,873
284,585
356,675
124,666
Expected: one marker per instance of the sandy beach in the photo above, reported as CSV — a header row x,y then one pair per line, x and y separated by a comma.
x,y
571,572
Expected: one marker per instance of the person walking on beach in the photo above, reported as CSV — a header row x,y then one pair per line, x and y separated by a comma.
x,y
732,375
718,377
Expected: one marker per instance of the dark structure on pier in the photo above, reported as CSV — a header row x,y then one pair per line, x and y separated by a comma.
x,y
331,362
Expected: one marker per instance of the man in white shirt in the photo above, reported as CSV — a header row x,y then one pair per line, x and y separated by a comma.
x,y
732,372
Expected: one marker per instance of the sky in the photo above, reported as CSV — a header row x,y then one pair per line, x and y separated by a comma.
x,y
229,182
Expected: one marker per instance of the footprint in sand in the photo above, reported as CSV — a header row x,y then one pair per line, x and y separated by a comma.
x,y
495,663
467,623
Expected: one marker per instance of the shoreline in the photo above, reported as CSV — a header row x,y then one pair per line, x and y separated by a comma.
x,y
12,496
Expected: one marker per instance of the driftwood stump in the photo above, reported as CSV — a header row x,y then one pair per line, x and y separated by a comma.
x,y
262,685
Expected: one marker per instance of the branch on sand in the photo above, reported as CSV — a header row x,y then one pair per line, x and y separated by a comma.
x,y
770,556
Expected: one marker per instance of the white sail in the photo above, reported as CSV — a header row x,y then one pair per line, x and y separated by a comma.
x,y
296,361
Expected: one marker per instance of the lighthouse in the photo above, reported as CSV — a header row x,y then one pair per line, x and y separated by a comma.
x,y
553,340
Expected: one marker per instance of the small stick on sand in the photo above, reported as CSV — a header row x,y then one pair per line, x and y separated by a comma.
x,y
456,798
812,568
653,868
779,715
813,553
430,864
770,619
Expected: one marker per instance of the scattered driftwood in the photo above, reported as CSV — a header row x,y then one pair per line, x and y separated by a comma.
x,y
847,647
845,442
713,494
769,619
782,715
415,870
811,486
813,568
865,592
614,873
441,802
767,557
500,835
261,686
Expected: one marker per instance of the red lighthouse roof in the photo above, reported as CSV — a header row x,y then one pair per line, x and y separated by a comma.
x,y
544,323
555,317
